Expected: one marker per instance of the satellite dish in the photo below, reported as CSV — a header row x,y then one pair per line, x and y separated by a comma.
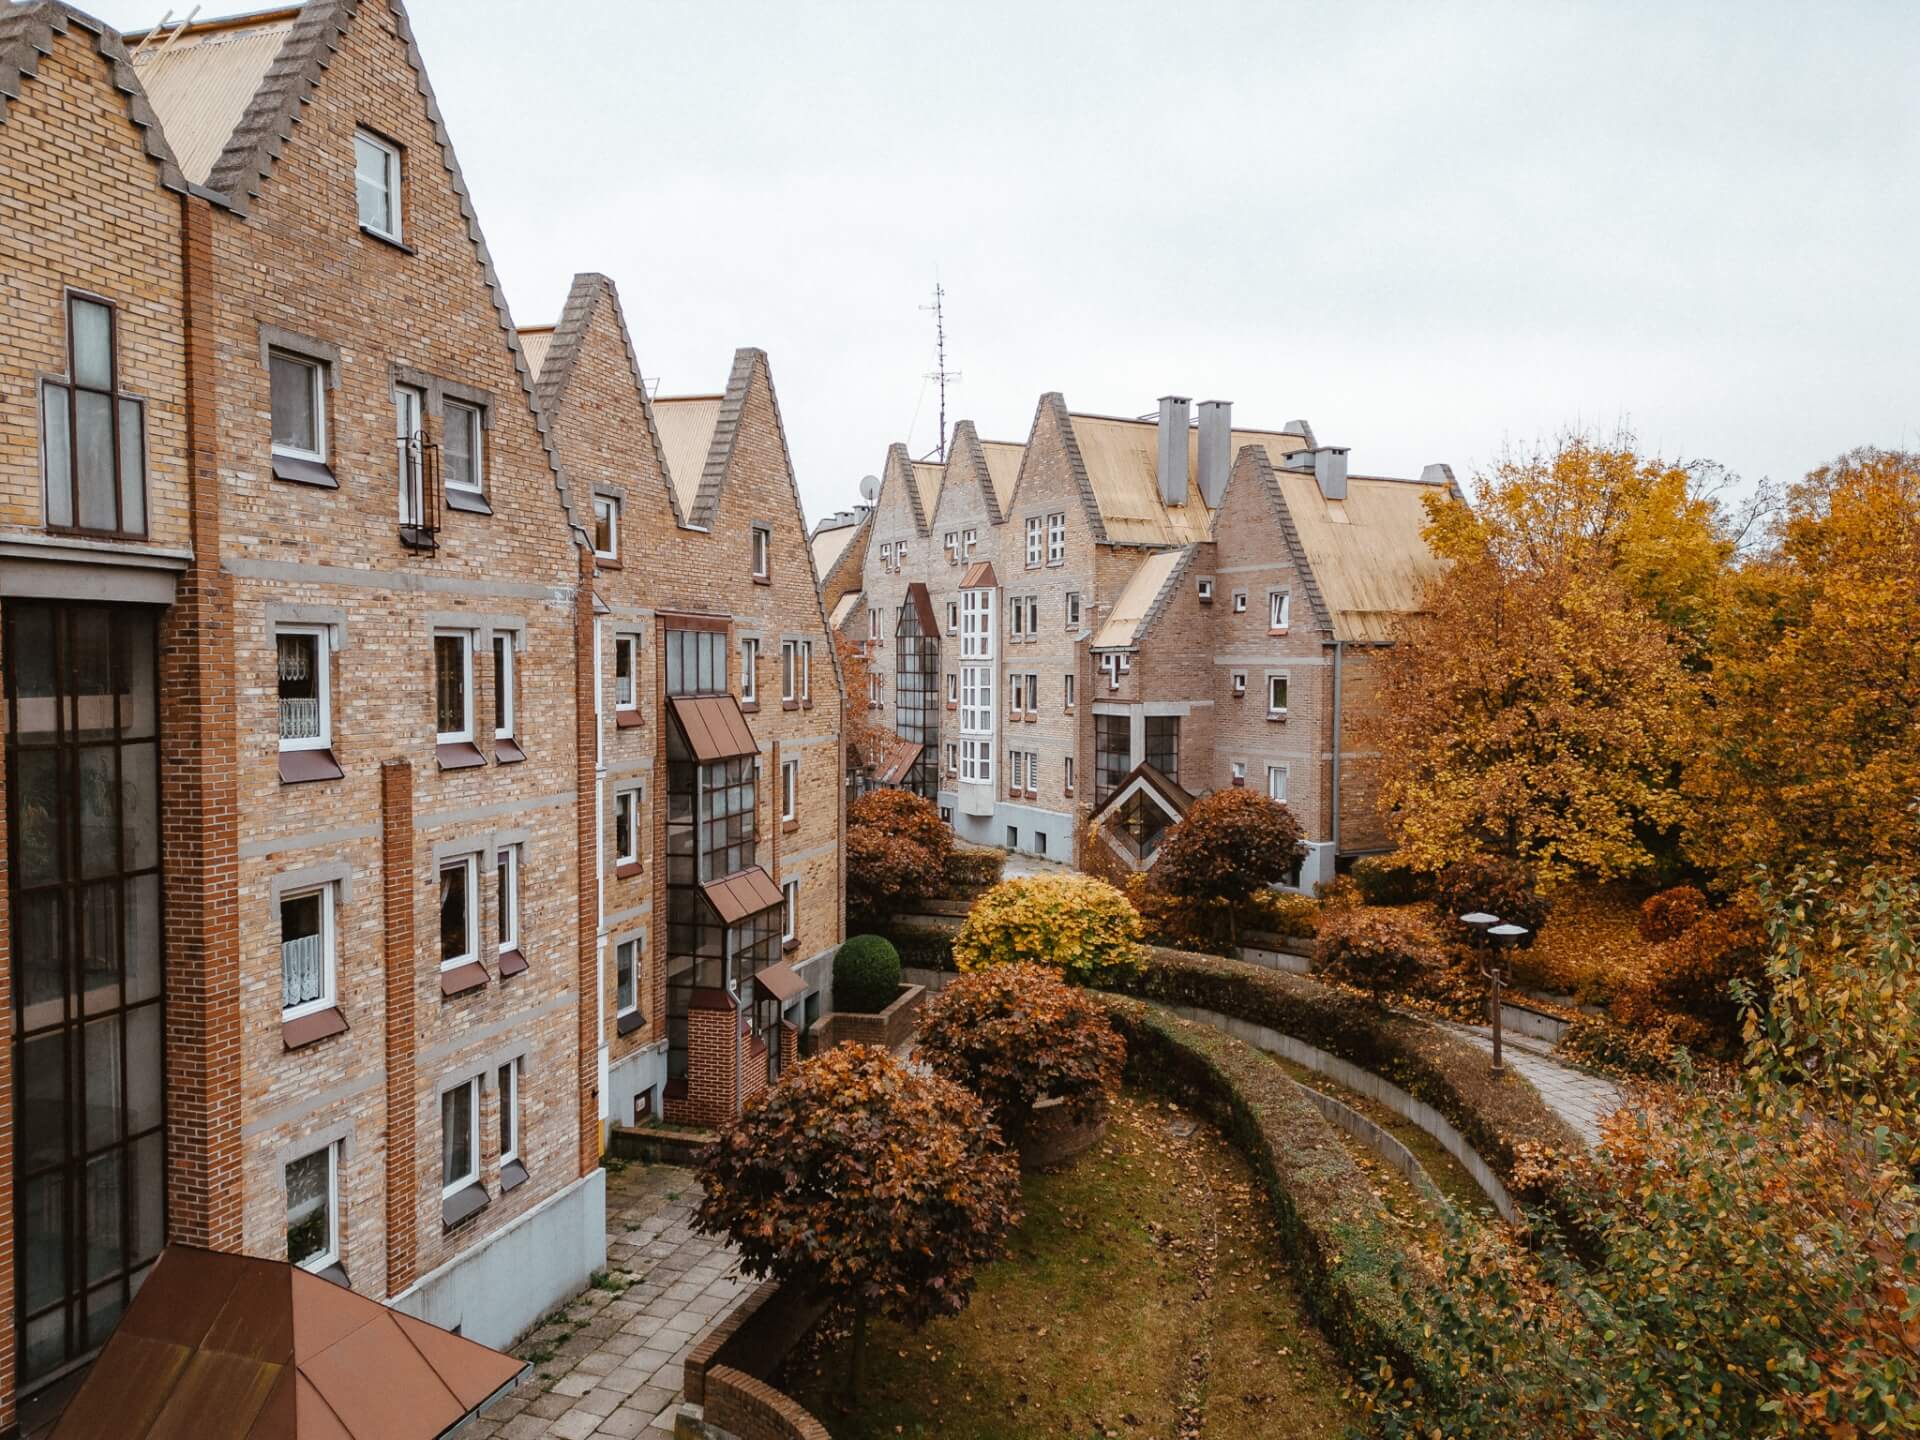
x,y
870,488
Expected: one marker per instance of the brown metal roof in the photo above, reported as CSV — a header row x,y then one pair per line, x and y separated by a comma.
x,y
779,981
897,759
714,727
227,1347
979,576
923,607
739,895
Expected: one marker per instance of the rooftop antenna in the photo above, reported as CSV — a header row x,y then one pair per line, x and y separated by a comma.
x,y
940,373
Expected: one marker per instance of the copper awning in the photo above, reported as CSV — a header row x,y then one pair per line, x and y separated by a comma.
x,y
979,576
714,727
923,607
779,981
739,895
227,1347
897,760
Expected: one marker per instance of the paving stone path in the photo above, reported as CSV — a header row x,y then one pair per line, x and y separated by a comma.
x,y
1582,1100
608,1363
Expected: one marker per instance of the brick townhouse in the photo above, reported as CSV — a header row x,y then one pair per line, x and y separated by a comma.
x,y
840,559
1131,612
715,753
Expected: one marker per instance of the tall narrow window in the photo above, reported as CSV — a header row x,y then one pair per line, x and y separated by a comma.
x,y
1067,690
1069,774
1276,696
410,446
313,1204
506,873
762,552
306,721
306,952
376,183
606,527
465,465
952,541
806,672
453,686
503,686
626,672
1035,541
1073,609
1277,783
457,916
790,672
1033,696
299,396
1279,608
459,1137
790,910
749,672
1057,537
626,828
509,1078
94,438
789,789
626,979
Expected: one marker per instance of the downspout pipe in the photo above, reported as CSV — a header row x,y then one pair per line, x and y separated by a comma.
x,y
1338,653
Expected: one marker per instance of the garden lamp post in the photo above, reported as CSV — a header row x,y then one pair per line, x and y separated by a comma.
x,y
1504,938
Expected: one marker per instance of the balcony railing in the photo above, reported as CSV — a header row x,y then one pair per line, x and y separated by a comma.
x,y
421,491
303,967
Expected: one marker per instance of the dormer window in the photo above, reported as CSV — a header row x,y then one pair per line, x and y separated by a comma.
x,y
376,182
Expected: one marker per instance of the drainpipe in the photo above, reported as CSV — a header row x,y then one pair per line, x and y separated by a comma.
x,y
1337,653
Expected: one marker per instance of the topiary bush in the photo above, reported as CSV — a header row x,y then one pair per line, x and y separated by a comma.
x,y
1072,923
1494,886
898,849
1671,913
866,975
1019,1033
1390,880
1376,950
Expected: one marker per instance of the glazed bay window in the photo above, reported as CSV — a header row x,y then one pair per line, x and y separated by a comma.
x,y
93,438
1036,543
1057,538
1276,697
460,1191
513,1169
307,983
313,1209
696,662
299,398
376,184
606,527
464,430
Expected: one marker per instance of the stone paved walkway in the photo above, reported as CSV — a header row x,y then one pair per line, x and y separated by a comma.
x,y
608,1362
1582,1100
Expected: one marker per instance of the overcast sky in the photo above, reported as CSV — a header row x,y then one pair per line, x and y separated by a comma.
x,y
1432,230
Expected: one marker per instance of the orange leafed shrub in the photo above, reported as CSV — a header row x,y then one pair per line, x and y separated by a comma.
x,y
1671,912
897,849
1377,950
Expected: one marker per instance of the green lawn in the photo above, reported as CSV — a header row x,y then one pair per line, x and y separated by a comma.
x,y
1144,1295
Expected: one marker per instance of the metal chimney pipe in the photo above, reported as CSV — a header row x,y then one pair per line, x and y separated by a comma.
x,y
1216,449
1330,469
1173,449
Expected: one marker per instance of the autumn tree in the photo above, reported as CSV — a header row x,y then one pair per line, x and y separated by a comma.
x,y
897,850
1810,748
866,732
1540,706
1074,924
1230,845
857,1178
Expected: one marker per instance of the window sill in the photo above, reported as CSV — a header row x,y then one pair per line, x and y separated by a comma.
x,y
337,1273
507,751
789,704
303,767
1033,717
470,502
464,1204
787,827
1281,631
312,1029
1033,794
750,707
787,947
418,537
627,719
1277,719
459,755
628,870
628,1023
607,562
512,1176
400,245
512,962
763,580
463,979
296,471
806,704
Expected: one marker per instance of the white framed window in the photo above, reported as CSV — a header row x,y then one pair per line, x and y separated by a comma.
x,y
968,539
305,687
1279,608
790,910
506,876
899,555
1276,695
762,552
626,672
1239,772
953,687
976,624
626,827
459,1137
806,671
953,757
503,686
299,398
463,449
606,526
313,1209
789,789
873,624
626,977
1205,589
1239,602
1033,694
953,617
459,912
307,967
873,692
1277,783
976,699
946,814
1239,683
1057,538
376,184
952,542
509,1081
453,686
409,404
1067,688
886,556
749,672
1068,774
1016,619
1073,609
1016,770
1036,541
1016,693
790,671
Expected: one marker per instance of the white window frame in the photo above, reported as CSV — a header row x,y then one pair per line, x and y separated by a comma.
x,y
1066,773
873,623
409,420
1036,542
1280,771
1279,609
1016,619
503,685
465,733
608,506
323,661
1239,771
328,1257
886,556
953,617
1277,711
873,692
806,671
789,789
629,646
1057,538
509,1074
789,672
953,547
469,863
953,757
750,672
451,1187
1073,609
1033,693
953,687
1205,589
626,848
1239,683
508,896
969,538
790,911
317,373
1016,769
1016,693
329,996
1068,689
1239,602
629,946
391,183
762,552
476,418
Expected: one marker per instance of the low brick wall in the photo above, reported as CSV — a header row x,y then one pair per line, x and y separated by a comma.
x,y
1052,1138
660,1147
728,1373
753,1410
889,1029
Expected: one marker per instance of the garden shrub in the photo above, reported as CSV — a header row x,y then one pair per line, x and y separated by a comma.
x,y
1684,991
1230,845
1493,886
1019,1033
1390,880
924,947
866,975
898,849
971,870
1071,923
1339,893
1280,912
1381,951
1671,913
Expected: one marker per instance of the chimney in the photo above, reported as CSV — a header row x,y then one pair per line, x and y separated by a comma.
x,y
1300,428
1173,449
1330,469
1441,474
1216,449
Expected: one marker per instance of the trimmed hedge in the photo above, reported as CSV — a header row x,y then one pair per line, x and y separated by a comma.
x,y
972,870
1502,1119
924,947
866,975
1343,1246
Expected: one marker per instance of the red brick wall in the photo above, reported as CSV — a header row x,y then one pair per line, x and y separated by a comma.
x,y
586,958
397,904
6,1105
